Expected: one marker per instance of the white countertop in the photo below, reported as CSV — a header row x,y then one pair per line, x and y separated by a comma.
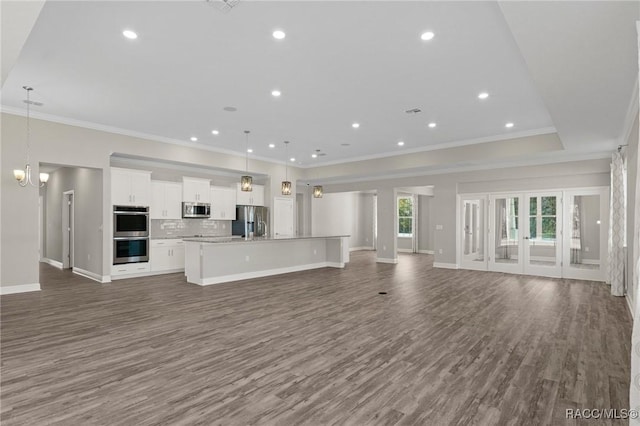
x,y
232,240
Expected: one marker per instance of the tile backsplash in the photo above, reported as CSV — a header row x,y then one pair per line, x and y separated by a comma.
x,y
187,227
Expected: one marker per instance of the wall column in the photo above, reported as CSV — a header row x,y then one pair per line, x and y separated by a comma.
x,y
387,244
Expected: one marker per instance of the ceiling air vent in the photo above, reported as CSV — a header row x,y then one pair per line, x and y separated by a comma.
x,y
224,6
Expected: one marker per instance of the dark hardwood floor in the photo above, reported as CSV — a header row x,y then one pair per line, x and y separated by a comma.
x,y
317,347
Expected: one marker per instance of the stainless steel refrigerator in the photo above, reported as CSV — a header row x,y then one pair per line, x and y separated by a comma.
x,y
251,221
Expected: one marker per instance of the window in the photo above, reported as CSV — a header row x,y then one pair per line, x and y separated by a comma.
x,y
542,218
405,216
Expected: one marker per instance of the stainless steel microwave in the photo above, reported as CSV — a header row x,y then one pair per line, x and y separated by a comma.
x,y
196,210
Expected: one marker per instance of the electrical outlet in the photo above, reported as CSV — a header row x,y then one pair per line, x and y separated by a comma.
x,y
224,226
384,248
315,251
439,251
246,258
586,249
88,256
439,227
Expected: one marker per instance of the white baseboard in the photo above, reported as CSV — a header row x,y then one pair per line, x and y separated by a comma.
x,y
404,251
445,265
51,262
360,248
168,271
629,305
386,260
91,275
590,261
426,252
22,288
260,274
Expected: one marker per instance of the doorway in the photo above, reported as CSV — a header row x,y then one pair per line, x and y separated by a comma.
x,y
67,229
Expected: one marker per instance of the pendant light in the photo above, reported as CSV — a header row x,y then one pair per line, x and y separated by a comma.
x,y
246,181
286,185
317,191
24,176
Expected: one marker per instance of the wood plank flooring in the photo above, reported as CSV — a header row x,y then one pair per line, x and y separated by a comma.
x,y
316,347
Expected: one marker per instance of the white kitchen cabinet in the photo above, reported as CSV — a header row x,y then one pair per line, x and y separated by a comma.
x,y
250,198
223,203
130,187
166,200
166,255
196,190
127,270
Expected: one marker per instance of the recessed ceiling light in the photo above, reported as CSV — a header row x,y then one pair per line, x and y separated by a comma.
x,y
345,144
432,125
194,139
249,150
314,155
508,125
292,159
272,145
131,35
215,132
427,36
401,143
355,125
230,109
279,34
276,93
483,95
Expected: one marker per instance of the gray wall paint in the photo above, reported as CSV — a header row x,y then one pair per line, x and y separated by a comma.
x,y
346,213
425,231
87,186
387,245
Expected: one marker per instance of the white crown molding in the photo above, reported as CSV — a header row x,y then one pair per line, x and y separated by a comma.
x,y
156,138
131,133
541,159
445,145
630,118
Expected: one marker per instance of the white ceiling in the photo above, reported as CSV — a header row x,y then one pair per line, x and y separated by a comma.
x,y
341,62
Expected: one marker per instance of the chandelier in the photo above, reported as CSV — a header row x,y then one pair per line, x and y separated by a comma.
x,y
24,176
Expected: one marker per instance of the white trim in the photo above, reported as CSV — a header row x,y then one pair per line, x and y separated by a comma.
x,y
360,248
445,265
426,252
156,138
404,250
629,304
386,260
165,271
51,262
630,118
260,274
91,275
22,288
590,261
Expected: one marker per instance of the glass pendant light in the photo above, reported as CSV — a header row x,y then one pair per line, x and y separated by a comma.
x,y
286,185
246,181
317,191
23,176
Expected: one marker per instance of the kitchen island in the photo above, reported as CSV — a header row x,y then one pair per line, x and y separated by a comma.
x,y
219,260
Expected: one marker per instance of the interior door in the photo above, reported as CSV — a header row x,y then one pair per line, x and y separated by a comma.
x,y
505,233
473,229
282,217
585,236
542,248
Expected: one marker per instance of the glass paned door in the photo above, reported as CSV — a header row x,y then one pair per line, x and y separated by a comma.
x,y
473,233
586,222
505,236
542,239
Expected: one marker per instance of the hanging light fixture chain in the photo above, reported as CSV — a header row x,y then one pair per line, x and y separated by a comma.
x,y
28,89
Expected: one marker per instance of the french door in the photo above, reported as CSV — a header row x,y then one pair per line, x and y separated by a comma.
x,y
518,233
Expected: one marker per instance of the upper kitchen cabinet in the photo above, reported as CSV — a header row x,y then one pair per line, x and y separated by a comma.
x,y
250,198
130,187
223,203
195,190
166,200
